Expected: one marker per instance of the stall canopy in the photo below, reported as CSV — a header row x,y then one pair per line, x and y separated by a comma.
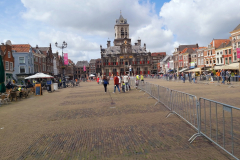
x,y
217,67
194,70
234,66
184,69
39,75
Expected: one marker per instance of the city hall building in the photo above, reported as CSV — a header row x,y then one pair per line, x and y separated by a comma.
x,y
123,57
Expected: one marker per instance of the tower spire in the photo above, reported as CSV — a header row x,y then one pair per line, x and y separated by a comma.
x,y
120,12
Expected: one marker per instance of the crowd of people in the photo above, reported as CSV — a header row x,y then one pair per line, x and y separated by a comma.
x,y
121,83
220,75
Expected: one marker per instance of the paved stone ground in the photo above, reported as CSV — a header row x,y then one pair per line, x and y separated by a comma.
x,y
81,123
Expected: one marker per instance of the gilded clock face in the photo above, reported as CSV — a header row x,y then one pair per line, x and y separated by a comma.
x,y
125,41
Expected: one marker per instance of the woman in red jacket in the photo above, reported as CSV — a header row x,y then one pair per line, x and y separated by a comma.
x,y
116,83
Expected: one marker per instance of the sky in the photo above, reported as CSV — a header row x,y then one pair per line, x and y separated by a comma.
x,y
87,24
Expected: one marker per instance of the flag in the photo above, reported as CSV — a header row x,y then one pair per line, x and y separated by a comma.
x,y
65,59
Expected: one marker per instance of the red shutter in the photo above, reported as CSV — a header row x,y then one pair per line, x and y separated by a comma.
x,y
135,62
148,72
143,62
109,73
117,63
132,62
140,72
140,62
104,64
117,73
109,63
148,62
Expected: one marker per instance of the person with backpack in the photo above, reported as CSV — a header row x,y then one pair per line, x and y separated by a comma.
x,y
105,83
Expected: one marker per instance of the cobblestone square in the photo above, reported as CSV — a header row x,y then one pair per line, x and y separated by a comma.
x,y
82,123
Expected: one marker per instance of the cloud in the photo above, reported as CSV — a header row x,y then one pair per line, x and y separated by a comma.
x,y
199,21
155,36
96,19
90,17
78,48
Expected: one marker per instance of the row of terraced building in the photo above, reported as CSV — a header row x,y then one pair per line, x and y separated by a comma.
x,y
218,52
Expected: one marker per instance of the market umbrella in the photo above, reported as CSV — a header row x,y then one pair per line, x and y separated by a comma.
x,y
2,77
92,75
39,75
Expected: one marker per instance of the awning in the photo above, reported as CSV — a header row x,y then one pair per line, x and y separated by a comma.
x,y
195,70
184,69
234,66
217,67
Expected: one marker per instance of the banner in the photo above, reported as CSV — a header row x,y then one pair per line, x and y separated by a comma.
x,y
65,59
238,52
84,68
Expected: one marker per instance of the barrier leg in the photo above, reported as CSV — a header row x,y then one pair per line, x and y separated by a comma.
x,y
169,114
194,137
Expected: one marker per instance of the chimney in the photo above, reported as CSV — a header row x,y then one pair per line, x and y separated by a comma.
x,y
197,45
37,46
144,45
108,43
213,43
139,42
100,46
136,43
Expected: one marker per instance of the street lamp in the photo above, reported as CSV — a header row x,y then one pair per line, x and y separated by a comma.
x,y
64,45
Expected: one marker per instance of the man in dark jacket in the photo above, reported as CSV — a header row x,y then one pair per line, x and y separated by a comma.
x,y
223,75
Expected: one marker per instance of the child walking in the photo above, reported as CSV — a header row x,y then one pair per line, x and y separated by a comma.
x,y
123,86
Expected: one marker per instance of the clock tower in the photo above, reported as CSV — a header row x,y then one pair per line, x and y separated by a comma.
x,y
121,31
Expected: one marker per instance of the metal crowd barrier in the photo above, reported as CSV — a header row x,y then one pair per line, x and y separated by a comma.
x,y
218,122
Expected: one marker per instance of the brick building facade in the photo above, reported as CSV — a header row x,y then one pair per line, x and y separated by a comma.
x,y
123,57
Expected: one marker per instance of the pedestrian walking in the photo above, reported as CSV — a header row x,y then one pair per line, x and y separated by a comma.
x,y
116,84
98,80
218,75
105,83
142,78
125,80
120,81
137,80
212,75
223,75
193,77
129,82
183,77
123,86
228,76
